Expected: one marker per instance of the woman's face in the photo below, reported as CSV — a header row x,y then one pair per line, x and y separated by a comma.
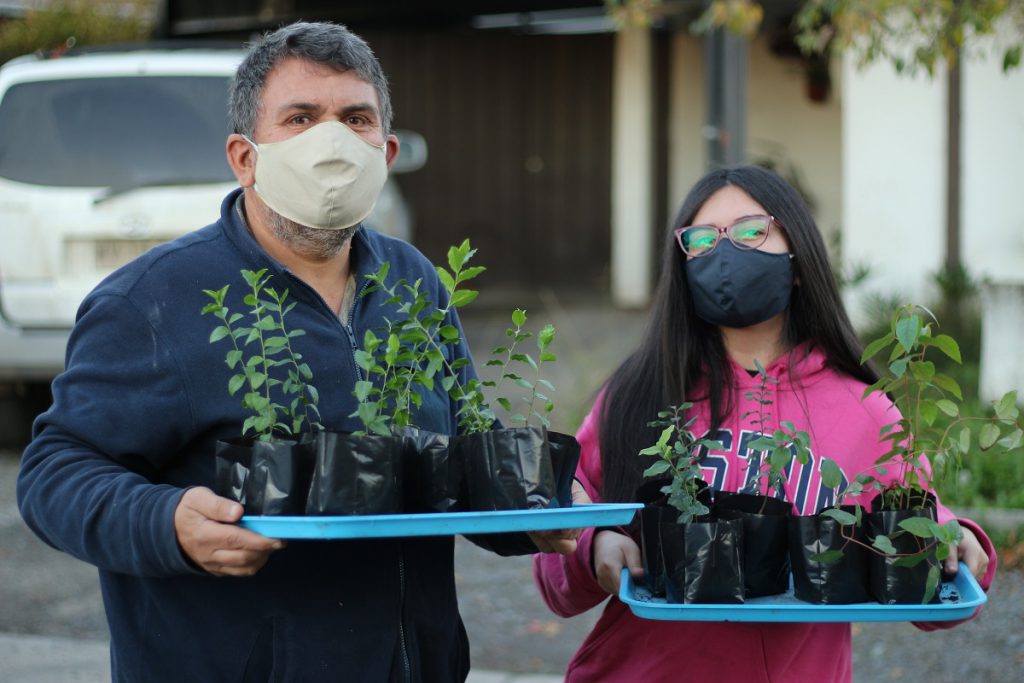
x,y
730,204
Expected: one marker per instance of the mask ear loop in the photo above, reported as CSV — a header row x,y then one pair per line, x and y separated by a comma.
x,y
256,149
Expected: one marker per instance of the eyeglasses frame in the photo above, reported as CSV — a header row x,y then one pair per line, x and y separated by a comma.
x,y
678,232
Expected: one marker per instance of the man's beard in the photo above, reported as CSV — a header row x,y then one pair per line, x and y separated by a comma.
x,y
306,241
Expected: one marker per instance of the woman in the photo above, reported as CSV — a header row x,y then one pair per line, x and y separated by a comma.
x,y
745,279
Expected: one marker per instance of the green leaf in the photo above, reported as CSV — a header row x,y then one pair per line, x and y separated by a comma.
x,y
909,560
922,527
965,439
831,475
842,516
446,279
884,544
450,333
463,297
657,468
546,336
876,346
948,407
1013,440
923,371
929,411
827,557
363,359
898,367
989,435
470,273
908,330
780,457
235,383
233,357
948,384
1006,408
948,346
276,342
519,317
362,390
219,333
257,379
931,584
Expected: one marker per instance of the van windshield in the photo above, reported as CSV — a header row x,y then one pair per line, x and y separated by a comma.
x,y
118,132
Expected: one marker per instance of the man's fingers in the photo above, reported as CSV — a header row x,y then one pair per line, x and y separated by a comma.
x,y
236,562
579,494
210,505
204,524
561,541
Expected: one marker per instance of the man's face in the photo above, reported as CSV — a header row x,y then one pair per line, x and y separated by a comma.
x,y
299,94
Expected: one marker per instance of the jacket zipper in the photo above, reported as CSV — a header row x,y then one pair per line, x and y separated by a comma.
x,y
350,330
406,666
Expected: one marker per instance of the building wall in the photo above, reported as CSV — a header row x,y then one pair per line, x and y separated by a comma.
x,y
992,217
798,135
992,220
784,127
893,158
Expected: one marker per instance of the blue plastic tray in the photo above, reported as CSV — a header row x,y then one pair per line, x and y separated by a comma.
x,y
441,523
959,598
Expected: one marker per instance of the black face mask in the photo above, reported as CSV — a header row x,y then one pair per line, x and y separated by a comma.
x,y
735,287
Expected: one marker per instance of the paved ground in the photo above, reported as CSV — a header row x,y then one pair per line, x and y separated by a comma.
x,y
51,615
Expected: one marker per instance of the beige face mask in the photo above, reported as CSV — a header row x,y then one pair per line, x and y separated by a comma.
x,y
327,177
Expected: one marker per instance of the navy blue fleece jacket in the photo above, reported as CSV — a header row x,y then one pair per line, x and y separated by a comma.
x,y
134,421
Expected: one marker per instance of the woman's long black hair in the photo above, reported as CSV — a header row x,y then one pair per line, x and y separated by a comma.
x,y
678,347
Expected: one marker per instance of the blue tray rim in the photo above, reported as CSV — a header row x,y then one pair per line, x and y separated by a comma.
x,y
440,523
771,610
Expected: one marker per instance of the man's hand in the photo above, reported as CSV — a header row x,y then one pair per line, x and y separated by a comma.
x,y
204,524
561,541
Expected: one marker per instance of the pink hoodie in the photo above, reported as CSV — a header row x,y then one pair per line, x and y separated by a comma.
x,y
624,648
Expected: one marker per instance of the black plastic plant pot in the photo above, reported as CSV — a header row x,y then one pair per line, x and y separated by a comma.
x,y
565,456
506,469
890,583
655,512
432,474
765,544
843,581
356,475
651,519
231,468
276,474
704,560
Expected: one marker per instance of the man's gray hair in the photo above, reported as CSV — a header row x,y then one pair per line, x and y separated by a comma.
x,y
332,45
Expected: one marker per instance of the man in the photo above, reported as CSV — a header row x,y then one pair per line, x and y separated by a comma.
x,y
119,468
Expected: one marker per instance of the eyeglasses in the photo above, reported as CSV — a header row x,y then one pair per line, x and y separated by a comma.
x,y
749,232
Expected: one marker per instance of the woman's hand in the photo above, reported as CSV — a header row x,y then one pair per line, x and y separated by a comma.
x,y
969,551
613,551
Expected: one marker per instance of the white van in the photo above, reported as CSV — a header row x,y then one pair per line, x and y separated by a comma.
x,y
103,155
